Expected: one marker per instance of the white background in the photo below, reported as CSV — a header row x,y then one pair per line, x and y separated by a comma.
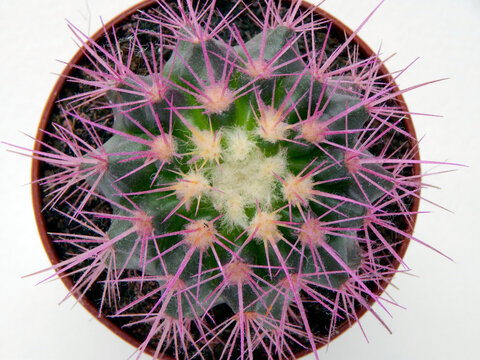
x,y
442,300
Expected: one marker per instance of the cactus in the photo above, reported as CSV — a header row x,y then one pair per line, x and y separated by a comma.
x,y
249,180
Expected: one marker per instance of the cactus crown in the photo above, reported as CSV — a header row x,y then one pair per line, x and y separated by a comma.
x,y
249,180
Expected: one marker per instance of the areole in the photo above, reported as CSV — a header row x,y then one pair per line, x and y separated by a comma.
x,y
338,30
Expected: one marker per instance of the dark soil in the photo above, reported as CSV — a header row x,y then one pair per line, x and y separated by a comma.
x,y
57,223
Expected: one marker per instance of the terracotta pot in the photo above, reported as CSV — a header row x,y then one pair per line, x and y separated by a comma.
x,y
338,30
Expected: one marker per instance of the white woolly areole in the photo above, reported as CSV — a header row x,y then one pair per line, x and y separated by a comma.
x,y
245,177
200,234
237,273
239,144
297,190
163,148
191,186
216,98
352,162
264,227
312,233
258,69
314,131
207,144
142,223
270,125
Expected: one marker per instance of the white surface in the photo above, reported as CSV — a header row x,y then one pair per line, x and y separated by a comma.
x,y
443,316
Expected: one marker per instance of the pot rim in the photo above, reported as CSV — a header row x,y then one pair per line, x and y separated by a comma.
x,y
339,29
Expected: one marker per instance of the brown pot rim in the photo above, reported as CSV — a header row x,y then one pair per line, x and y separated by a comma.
x,y
338,28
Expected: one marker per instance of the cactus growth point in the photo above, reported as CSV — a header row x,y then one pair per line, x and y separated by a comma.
x,y
249,180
